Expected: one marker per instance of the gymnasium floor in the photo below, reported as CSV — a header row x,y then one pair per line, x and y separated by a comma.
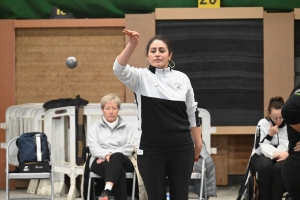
x,y
224,193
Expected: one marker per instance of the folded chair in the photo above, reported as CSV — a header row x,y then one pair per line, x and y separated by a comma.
x,y
11,158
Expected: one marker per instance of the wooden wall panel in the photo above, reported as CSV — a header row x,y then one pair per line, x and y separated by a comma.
x,y
7,82
203,13
145,25
41,73
221,158
278,55
239,151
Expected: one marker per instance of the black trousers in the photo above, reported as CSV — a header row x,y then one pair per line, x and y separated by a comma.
x,y
114,171
270,182
291,176
176,165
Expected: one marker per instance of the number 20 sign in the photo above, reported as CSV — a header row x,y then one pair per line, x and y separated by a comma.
x,y
209,3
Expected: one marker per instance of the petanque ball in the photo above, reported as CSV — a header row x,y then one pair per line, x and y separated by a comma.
x,y
71,62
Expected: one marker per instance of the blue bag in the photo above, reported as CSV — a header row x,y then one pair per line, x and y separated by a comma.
x,y
33,147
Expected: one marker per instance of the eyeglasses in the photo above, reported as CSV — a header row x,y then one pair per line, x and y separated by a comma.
x,y
277,118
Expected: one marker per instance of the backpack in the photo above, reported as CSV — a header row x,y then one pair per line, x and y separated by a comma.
x,y
33,154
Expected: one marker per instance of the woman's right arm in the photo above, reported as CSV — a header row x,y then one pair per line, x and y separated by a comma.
x,y
125,55
130,76
260,136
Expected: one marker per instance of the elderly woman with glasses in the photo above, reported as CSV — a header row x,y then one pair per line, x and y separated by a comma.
x,y
267,160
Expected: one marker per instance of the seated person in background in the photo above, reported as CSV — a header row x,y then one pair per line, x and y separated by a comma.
x,y
265,164
111,142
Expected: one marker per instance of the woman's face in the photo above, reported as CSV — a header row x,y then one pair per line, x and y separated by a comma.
x,y
110,111
276,116
158,54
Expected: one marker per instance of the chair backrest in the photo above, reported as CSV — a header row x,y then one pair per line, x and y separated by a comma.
x,y
12,152
14,117
206,127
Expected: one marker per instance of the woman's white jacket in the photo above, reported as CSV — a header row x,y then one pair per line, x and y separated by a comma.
x,y
103,140
261,136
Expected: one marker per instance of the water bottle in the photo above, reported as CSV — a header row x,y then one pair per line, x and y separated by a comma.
x,y
168,195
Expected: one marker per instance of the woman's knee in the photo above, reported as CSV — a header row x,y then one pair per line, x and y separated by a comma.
x,y
263,164
278,167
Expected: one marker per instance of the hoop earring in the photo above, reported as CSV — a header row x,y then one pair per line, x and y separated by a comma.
x,y
170,65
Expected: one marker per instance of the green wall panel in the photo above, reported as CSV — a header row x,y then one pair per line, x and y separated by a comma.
x,y
41,9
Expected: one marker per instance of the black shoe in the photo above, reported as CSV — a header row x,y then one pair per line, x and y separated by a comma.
x,y
105,195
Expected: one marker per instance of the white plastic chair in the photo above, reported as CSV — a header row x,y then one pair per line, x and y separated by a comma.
x,y
129,175
11,158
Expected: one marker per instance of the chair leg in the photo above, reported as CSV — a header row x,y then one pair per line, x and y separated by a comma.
x,y
52,187
204,186
7,187
89,189
93,184
202,180
133,185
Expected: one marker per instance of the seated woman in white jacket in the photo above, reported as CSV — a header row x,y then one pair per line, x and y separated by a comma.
x,y
111,142
266,162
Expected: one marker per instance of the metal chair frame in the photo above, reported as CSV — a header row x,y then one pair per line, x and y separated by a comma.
x,y
11,158
129,175
202,176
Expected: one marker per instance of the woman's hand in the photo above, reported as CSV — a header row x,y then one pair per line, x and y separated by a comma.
x,y
297,147
107,157
132,35
280,156
125,55
273,130
100,160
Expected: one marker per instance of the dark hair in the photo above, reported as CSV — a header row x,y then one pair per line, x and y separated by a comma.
x,y
161,38
275,102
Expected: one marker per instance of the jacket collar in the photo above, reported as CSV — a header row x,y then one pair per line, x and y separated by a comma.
x,y
119,123
158,70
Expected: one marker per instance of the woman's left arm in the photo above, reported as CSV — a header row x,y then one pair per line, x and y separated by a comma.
x,y
192,112
197,136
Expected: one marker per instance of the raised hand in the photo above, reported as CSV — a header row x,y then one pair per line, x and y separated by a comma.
x,y
132,35
273,130
125,55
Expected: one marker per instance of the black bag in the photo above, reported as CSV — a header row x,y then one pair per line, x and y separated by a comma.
x,y
63,102
33,154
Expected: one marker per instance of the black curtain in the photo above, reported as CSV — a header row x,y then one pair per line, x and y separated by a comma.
x,y
224,61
